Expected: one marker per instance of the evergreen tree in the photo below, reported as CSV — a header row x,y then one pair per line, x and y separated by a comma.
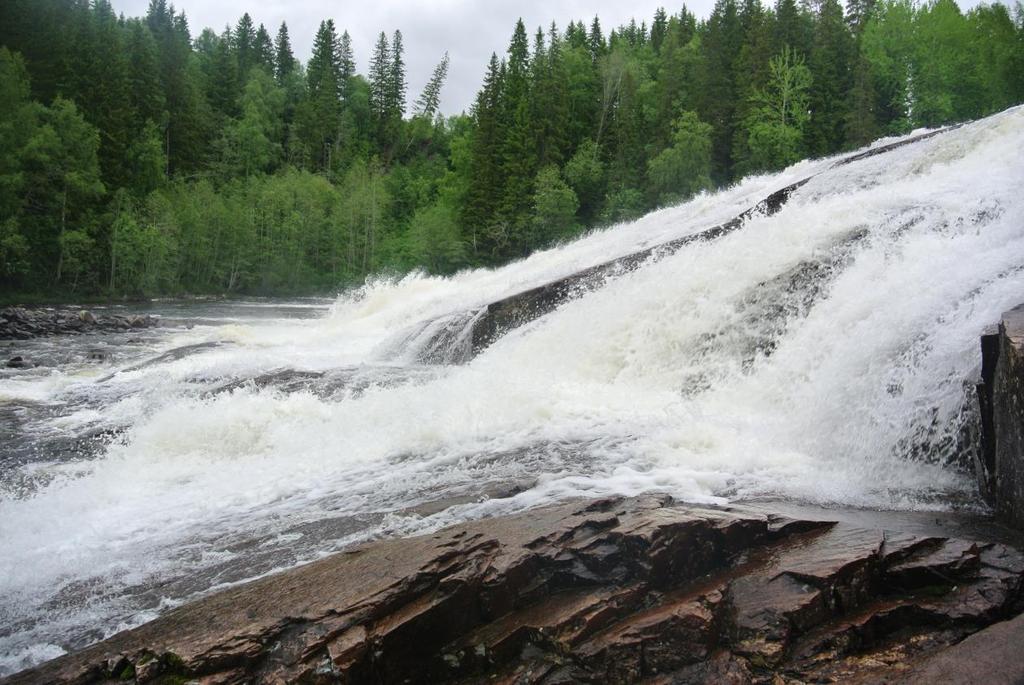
x,y
264,49
396,84
485,176
832,78
223,80
346,66
430,98
243,40
792,27
380,73
284,60
721,42
318,115
595,40
144,89
659,28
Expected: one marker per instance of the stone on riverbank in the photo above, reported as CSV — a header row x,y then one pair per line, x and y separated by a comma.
x,y
607,591
1001,397
19,323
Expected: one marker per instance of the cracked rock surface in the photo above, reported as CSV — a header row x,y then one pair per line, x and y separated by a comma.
x,y
607,591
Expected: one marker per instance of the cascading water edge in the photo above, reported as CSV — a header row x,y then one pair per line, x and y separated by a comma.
x,y
821,353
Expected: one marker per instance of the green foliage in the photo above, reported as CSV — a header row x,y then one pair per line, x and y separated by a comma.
x,y
252,142
139,159
775,125
585,174
435,240
682,169
554,207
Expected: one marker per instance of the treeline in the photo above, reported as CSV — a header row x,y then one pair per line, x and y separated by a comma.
x,y
136,158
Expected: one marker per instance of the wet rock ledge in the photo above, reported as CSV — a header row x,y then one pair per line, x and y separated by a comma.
x,y
1001,398
19,323
610,591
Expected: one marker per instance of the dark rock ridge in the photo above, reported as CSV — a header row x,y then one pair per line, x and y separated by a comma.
x,y
608,591
18,323
1001,399
468,334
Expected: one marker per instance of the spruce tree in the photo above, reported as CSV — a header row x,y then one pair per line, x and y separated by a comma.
x,y
380,72
792,28
322,109
284,60
429,100
484,190
264,50
721,44
831,72
659,28
244,43
143,75
396,83
346,66
224,80
595,40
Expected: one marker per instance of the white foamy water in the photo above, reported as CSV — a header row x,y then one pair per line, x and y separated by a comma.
x,y
825,353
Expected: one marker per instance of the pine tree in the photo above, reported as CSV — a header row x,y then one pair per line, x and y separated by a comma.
x,y
187,131
101,87
659,28
721,44
792,28
595,40
396,84
484,190
555,112
264,49
380,71
243,40
319,114
857,14
284,60
518,156
346,66
224,81
427,104
831,73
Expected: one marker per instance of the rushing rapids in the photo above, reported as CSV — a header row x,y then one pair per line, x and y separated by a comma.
x,y
822,350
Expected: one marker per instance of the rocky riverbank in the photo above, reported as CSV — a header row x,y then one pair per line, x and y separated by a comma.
x,y
607,591
20,323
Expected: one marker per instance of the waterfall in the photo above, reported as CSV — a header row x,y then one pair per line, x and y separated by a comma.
x,y
820,348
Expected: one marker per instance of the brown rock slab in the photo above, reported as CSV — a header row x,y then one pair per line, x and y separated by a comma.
x,y
607,591
991,656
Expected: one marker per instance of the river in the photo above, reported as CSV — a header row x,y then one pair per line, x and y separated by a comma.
x,y
825,354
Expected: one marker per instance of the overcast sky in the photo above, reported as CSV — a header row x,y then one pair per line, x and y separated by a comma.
x,y
470,30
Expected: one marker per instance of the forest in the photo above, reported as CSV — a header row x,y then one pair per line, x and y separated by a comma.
x,y
139,158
